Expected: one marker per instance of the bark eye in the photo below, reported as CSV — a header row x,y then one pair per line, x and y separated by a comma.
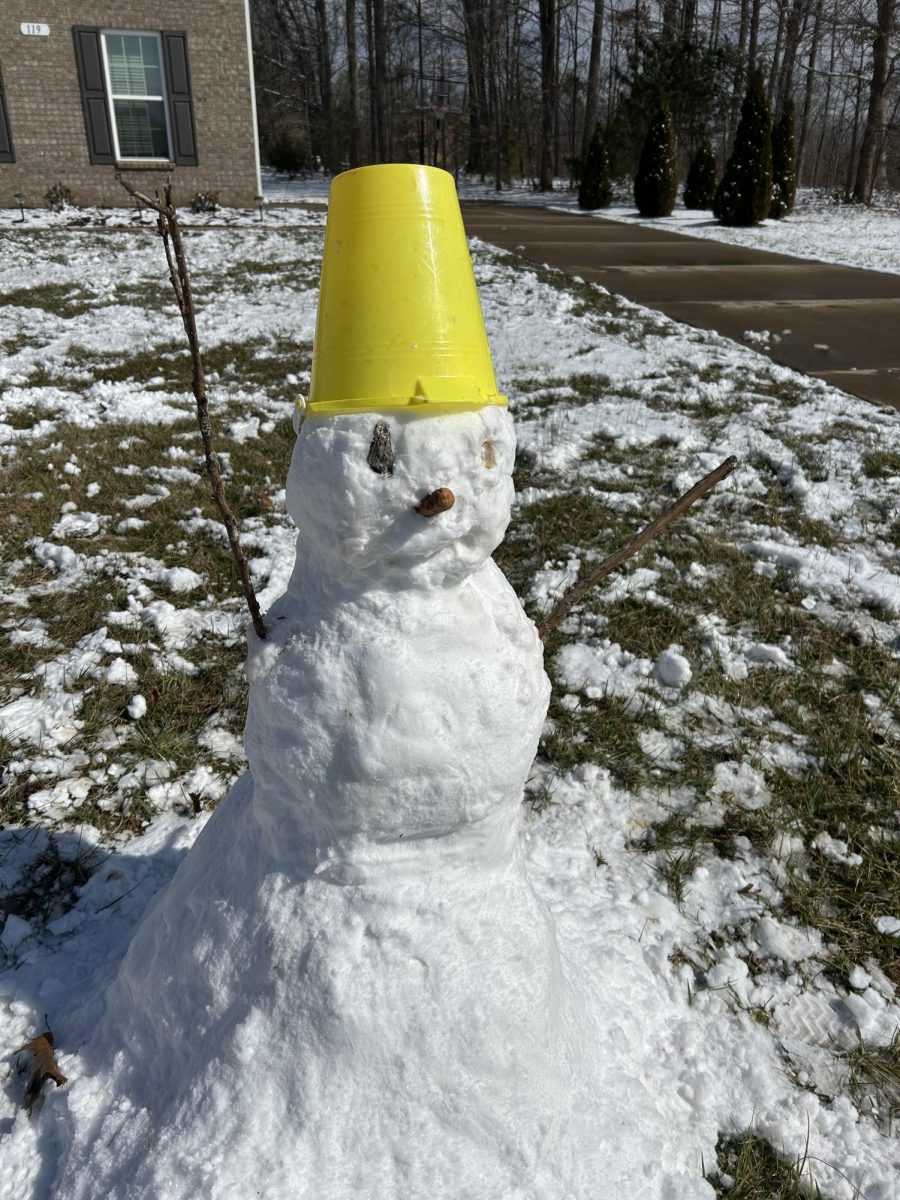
x,y
488,454
381,452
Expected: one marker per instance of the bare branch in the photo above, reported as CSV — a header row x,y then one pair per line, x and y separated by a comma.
x,y
144,199
170,232
678,509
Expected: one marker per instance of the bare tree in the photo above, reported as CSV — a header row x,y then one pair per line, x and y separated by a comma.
x,y
592,90
354,155
886,15
547,25
476,56
808,90
378,71
343,81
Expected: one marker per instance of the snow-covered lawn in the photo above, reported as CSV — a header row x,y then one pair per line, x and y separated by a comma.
x,y
714,812
818,228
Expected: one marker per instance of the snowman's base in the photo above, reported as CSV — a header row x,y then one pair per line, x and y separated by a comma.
x,y
290,1036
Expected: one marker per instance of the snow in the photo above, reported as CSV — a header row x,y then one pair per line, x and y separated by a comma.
x,y
672,668
640,1049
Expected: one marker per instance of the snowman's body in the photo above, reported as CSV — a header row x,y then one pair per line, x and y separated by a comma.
x,y
376,1005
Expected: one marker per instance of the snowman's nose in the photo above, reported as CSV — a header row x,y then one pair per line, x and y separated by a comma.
x,y
436,502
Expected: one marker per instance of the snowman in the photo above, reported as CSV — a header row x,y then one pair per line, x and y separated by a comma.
x,y
350,990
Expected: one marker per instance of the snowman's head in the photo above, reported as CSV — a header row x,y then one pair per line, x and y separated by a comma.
x,y
399,496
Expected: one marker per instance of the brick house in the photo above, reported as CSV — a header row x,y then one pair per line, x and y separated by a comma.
x,y
91,87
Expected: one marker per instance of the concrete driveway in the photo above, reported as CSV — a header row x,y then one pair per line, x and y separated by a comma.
x,y
839,324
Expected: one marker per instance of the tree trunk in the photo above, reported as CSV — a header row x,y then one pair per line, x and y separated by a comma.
x,y
352,85
473,19
547,22
808,94
669,18
754,34
715,24
794,32
741,72
868,154
591,94
373,137
323,56
381,81
826,107
689,19
556,77
857,111
776,56
420,98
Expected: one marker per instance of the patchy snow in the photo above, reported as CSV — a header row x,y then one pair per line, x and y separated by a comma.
x,y
674,992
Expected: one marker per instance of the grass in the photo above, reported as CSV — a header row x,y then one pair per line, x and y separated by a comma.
x,y
258,362
63,300
600,731
747,1168
124,462
875,1082
881,464
56,867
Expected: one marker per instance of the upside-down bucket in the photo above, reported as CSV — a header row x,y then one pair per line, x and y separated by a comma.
x,y
399,323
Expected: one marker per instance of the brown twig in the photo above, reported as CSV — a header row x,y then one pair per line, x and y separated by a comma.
x,y
579,589
170,232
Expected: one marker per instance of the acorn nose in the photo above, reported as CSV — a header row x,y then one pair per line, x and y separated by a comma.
x,y
436,502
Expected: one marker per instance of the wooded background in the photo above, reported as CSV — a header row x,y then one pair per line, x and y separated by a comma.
x,y
341,83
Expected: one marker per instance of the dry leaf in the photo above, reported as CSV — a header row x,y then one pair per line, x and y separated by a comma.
x,y
44,1067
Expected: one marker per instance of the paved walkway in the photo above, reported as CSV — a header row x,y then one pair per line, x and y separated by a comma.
x,y
839,324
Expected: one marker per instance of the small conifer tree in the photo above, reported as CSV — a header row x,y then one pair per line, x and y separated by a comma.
x,y
745,193
700,185
595,190
784,179
656,182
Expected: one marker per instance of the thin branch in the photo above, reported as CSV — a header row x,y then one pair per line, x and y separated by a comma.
x,y
170,232
678,509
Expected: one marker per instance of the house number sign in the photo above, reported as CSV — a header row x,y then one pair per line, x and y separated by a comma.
x,y
35,29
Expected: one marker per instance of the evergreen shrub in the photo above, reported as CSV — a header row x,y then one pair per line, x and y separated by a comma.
x,y
595,190
745,193
784,171
700,185
656,182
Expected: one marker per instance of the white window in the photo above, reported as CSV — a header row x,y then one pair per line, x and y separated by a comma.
x,y
135,86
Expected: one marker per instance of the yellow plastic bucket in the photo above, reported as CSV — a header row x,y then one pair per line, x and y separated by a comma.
x,y
399,323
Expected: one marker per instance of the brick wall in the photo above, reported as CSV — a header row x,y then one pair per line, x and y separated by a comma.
x,y
44,100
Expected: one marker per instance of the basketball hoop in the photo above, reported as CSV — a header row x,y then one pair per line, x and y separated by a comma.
x,y
441,96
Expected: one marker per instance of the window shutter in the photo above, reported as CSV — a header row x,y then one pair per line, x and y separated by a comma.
x,y
93,94
181,107
7,152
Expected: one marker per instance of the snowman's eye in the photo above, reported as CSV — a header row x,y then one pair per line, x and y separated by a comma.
x,y
381,452
488,454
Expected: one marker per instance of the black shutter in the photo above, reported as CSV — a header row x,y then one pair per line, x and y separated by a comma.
x,y
181,108
7,152
93,94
